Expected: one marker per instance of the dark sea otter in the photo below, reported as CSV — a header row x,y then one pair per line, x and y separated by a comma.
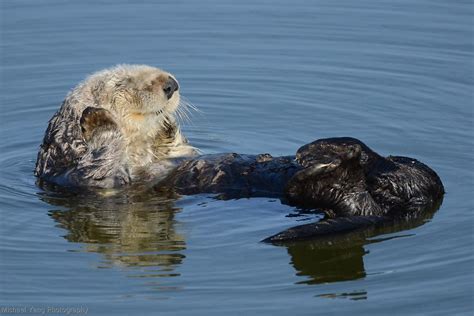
x,y
354,186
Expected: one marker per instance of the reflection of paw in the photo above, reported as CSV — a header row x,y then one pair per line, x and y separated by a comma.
x,y
94,120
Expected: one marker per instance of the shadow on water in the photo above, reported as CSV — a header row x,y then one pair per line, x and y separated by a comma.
x,y
137,228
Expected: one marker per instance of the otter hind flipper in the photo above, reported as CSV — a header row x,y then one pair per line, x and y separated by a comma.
x,y
325,227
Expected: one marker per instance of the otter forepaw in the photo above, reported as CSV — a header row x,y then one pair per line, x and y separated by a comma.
x,y
96,120
317,169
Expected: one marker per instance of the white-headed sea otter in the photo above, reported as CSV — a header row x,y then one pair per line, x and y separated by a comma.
x,y
113,128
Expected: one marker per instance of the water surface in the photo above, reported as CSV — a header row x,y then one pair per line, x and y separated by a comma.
x,y
268,77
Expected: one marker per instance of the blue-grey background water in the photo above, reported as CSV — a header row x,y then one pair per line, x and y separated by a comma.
x,y
268,76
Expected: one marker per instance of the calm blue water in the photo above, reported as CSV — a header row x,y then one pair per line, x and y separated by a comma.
x,y
268,77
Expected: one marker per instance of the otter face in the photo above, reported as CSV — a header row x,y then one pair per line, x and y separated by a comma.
x,y
332,178
136,90
327,154
330,152
160,92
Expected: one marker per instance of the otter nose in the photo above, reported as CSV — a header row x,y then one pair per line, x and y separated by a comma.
x,y
170,87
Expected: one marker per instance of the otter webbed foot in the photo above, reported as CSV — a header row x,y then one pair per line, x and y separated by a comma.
x,y
325,227
95,121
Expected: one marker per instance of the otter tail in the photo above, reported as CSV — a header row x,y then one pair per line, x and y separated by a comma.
x,y
325,227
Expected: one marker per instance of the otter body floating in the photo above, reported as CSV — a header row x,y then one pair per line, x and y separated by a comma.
x,y
343,178
119,127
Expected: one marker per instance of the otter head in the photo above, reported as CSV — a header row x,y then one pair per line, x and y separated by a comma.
x,y
333,174
325,155
138,95
144,90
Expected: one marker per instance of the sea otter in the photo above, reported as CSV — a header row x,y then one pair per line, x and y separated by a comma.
x,y
356,188
119,128
341,177
116,127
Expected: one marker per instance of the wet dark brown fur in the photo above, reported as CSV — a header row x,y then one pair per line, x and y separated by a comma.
x,y
342,177
356,187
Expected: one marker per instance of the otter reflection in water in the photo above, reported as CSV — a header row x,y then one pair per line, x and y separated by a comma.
x,y
139,229
129,229
340,257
